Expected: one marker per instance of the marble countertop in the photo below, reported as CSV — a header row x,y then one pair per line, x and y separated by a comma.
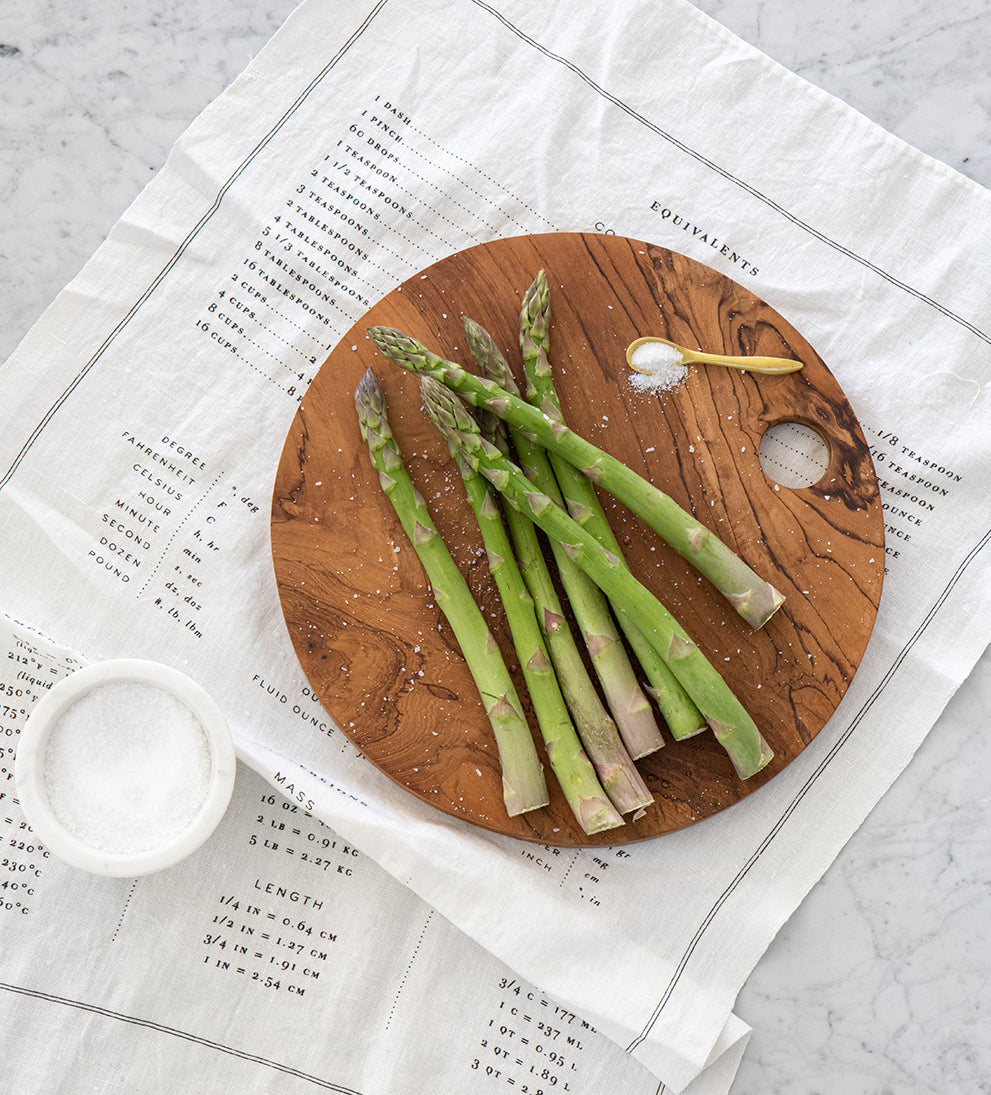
x,y
878,982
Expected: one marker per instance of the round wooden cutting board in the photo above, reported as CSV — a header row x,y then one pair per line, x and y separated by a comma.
x,y
374,646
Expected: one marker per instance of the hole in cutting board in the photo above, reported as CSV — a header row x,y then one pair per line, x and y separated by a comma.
x,y
793,455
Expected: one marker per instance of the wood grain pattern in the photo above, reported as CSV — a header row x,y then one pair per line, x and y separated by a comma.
x,y
368,635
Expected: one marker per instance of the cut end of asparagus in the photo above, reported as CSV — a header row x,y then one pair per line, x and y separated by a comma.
x,y
682,716
757,606
749,753
522,802
625,787
596,815
753,598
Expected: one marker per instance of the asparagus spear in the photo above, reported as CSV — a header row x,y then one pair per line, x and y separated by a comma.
x,y
524,787
750,595
729,720
619,776
568,760
630,707
596,727
682,716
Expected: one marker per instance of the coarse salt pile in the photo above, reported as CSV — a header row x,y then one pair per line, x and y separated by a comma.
x,y
658,367
127,767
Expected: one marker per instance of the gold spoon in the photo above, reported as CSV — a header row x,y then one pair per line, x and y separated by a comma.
x,y
774,365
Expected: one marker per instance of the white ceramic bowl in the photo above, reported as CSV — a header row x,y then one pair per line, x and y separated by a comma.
x,y
33,780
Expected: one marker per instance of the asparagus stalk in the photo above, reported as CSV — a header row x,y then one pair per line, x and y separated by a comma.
x,y
630,707
582,502
729,720
524,787
568,760
597,730
754,599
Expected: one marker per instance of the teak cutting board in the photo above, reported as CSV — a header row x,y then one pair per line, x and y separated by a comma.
x,y
377,651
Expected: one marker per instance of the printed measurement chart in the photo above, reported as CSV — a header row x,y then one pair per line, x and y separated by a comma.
x,y
29,669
